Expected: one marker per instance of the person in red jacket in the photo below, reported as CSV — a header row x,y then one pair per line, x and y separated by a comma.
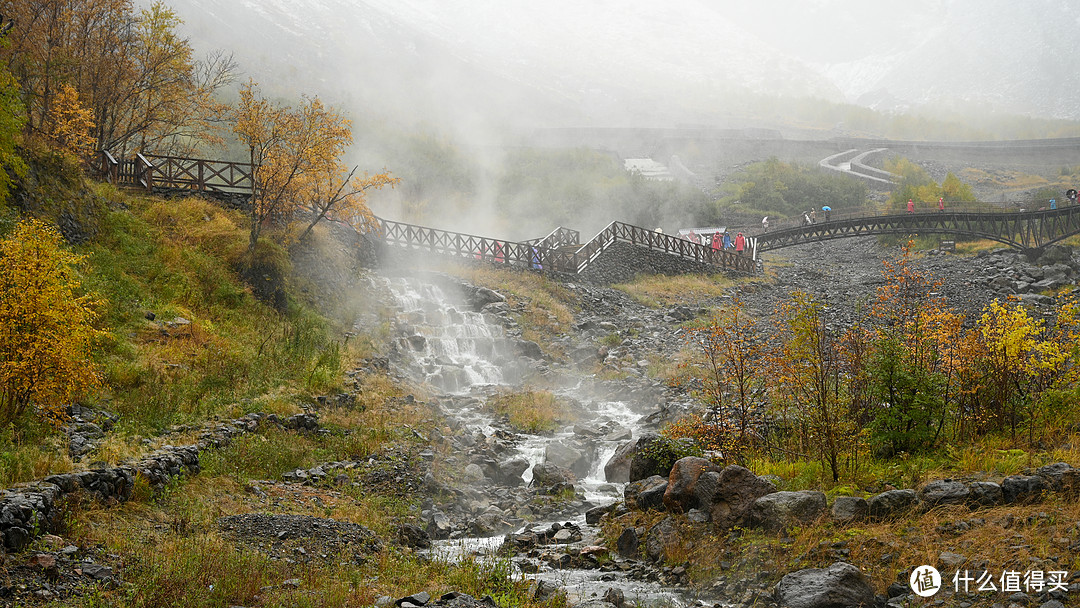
x,y
910,206
941,203
740,243
716,241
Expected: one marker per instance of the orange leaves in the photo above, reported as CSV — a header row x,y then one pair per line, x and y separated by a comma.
x,y
46,325
296,155
69,124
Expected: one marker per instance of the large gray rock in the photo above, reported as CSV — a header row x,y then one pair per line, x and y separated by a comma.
x,y
1061,477
547,474
568,455
617,468
661,539
646,493
890,503
943,492
849,508
728,495
1022,488
511,469
782,510
682,491
841,585
649,459
628,543
984,494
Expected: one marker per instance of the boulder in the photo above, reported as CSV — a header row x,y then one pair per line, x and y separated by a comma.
x,y
547,474
781,510
984,494
628,543
943,492
849,508
646,493
1061,477
841,585
890,503
510,470
661,540
617,468
650,458
734,490
1022,488
681,494
569,455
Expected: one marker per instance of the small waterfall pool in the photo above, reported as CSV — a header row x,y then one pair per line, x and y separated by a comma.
x,y
460,351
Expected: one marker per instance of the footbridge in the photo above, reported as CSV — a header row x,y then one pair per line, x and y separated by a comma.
x,y
559,251
1017,228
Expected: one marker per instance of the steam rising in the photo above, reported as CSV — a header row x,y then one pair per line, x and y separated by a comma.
x,y
447,95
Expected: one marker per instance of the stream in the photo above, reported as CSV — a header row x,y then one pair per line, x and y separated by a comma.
x,y
469,355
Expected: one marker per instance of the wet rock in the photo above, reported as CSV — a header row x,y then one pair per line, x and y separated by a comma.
x,y
617,468
649,458
782,510
984,494
1061,477
416,599
547,474
509,471
890,503
661,540
736,489
1022,489
839,585
570,456
646,493
849,508
628,543
414,536
943,492
439,526
682,491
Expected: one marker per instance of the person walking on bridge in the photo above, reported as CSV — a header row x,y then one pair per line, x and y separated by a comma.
x,y
910,206
716,242
941,203
740,243
765,224
727,240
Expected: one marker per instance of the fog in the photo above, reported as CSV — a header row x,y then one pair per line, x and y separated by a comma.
x,y
446,94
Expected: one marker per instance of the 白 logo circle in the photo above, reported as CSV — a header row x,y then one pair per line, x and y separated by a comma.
x,y
925,581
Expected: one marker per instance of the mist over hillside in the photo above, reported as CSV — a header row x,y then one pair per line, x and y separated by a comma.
x,y
564,63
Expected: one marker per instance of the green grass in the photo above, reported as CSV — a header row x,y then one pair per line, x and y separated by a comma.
x,y
179,258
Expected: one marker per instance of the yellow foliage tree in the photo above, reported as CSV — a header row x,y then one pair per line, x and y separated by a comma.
x,y
46,325
69,124
296,167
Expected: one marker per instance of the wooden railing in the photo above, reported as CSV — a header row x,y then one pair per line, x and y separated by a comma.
x,y
558,251
151,171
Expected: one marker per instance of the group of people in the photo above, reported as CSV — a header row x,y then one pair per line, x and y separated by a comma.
x,y
719,240
940,204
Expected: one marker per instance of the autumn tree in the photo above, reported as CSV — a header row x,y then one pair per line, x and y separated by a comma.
x,y
809,380
46,324
914,355
69,124
131,69
729,354
296,164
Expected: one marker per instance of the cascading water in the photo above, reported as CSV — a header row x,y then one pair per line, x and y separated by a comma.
x,y
463,352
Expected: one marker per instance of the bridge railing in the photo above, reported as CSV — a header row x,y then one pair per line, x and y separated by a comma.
x,y
565,257
921,208
200,174
560,237
148,171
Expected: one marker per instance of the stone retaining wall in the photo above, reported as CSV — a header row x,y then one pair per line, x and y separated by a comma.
x,y
28,510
